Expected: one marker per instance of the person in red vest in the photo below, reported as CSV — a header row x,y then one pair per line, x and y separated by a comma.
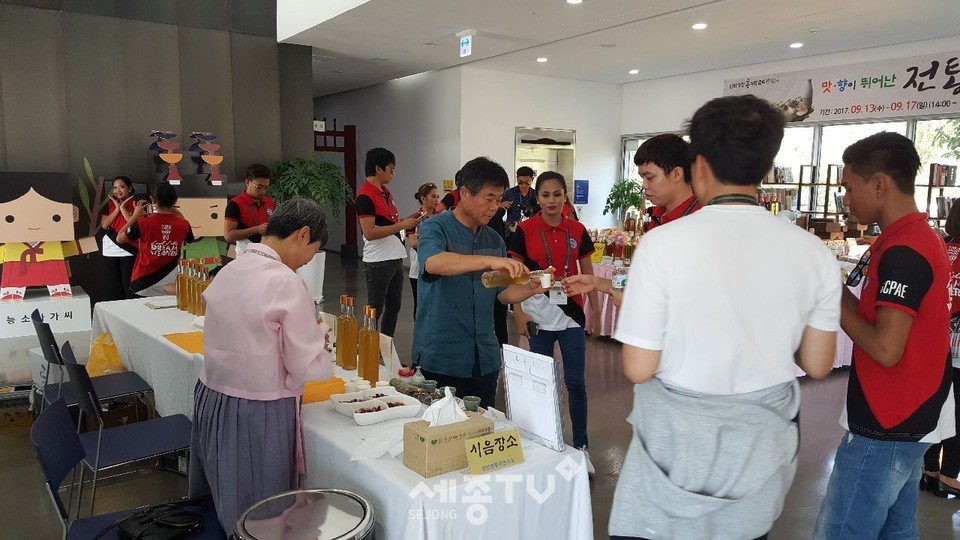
x,y
161,234
247,214
664,164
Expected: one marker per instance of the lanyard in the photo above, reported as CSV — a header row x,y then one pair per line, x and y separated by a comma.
x,y
253,212
733,198
261,253
546,247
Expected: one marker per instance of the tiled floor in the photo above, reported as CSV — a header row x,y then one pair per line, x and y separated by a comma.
x,y
26,510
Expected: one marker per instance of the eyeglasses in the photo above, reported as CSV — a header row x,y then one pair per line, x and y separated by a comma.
x,y
856,275
391,168
259,187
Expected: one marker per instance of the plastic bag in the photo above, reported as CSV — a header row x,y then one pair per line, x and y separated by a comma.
x,y
104,357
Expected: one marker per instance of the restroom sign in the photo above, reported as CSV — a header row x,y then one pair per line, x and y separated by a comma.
x,y
466,46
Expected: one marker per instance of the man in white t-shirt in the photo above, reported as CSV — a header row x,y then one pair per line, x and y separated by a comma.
x,y
718,309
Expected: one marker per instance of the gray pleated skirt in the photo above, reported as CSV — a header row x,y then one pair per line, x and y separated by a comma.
x,y
242,451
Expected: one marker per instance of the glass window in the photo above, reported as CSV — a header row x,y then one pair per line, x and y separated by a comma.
x,y
937,142
833,141
630,146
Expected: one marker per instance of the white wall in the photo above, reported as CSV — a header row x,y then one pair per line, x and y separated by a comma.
x,y
416,117
665,104
495,103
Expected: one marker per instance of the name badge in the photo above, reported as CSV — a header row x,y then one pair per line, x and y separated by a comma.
x,y
557,296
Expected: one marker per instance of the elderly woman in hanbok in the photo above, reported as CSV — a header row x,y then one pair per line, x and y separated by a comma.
x,y
261,344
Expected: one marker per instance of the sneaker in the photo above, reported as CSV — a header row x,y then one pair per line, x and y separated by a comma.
x,y
586,457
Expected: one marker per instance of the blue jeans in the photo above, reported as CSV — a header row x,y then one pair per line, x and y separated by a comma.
x,y
873,490
573,350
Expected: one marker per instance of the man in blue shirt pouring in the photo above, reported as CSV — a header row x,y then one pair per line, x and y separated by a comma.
x,y
454,340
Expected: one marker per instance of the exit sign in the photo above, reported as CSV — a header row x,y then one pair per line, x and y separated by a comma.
x,y
466,46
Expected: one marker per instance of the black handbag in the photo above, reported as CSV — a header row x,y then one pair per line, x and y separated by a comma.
x,y
168,521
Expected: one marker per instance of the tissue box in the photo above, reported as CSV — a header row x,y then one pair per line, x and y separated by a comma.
x,y
430,451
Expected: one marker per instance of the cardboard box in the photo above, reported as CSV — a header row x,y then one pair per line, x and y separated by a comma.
x,y
431,451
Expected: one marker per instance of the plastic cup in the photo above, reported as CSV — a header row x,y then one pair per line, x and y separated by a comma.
x,y
546,280
472,403
429,385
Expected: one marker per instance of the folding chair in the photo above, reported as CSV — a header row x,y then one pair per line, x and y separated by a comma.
x,y
59,451
108,387
121,445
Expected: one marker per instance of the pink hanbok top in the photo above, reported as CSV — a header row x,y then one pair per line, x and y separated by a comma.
x,y
261,339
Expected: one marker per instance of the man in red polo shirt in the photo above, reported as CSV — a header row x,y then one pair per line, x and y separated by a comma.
x,y
899,395
247,214
664,165
383,250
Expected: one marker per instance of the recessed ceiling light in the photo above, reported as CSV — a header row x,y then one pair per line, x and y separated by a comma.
x,y
574,1
380,59
699,26
796,45
542,59
432,43
608,45
634,71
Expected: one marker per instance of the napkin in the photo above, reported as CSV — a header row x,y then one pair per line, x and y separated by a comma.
x,y
390,440
444,411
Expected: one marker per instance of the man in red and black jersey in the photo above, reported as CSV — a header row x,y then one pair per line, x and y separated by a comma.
x,y
664,164
247,214
899,393
161,235
383,250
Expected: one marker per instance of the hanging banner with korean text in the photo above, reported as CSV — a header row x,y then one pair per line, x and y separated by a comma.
x,y
918,86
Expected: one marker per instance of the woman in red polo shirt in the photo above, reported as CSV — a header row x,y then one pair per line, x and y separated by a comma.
x,y
550,239
119,257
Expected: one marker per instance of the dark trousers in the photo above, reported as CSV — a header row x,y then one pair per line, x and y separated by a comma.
x,y
482,386
385,292
120,268
413,285
500,322
949,466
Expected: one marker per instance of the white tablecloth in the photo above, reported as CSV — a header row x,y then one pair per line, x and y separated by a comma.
x,y
172,372
138,332
548,496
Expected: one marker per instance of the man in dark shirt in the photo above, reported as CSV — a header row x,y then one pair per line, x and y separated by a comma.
x,y
899,395
520,201
453,340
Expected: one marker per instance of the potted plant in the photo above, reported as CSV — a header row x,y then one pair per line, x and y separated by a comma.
x,y
624,194
322,181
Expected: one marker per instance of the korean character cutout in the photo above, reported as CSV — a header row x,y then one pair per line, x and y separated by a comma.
x,y
203,205
36,233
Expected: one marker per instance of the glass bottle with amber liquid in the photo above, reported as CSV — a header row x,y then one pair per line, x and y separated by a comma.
x,y
204,283
182,285
349,340
193,287
339,329
370,347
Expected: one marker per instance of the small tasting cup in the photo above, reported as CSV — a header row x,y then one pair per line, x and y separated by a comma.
x,y
429,385
546,280
472,403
